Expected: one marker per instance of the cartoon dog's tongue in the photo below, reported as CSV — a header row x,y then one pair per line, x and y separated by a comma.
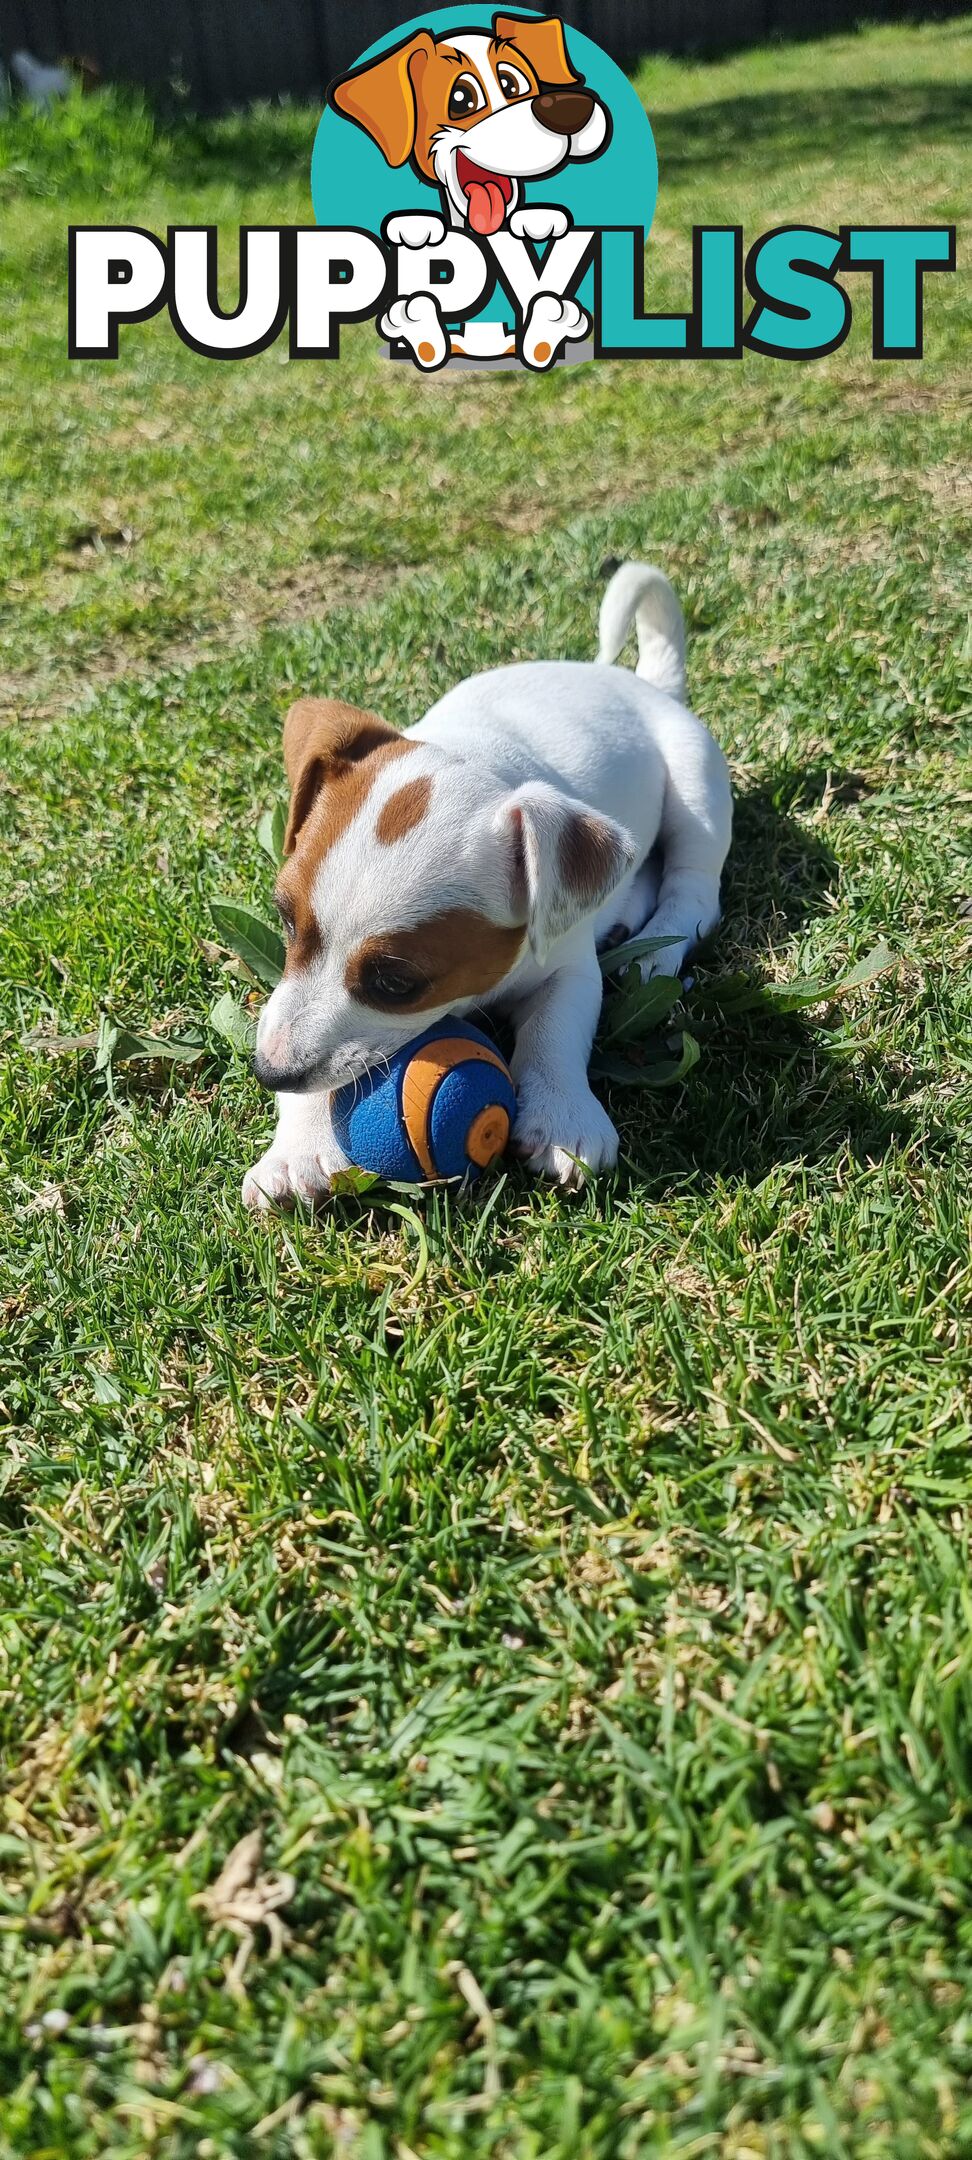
x,y
486,193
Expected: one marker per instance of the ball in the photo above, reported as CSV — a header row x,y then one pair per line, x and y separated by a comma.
x,y
442,1108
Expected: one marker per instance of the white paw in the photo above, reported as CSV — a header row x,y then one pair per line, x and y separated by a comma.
x,y
549,324
563,1136
278,1180
415,229
668,960
539,221
417,321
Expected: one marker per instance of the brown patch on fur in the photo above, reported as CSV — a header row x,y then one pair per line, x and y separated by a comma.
x,y
588,856
293,898
460,953
326,743
333,754
403,810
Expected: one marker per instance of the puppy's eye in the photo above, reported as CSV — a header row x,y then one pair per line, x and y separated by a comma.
x,y
465,97
391,982
512,84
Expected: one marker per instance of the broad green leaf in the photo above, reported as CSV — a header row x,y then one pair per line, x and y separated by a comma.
x,y
617,957
654,1072
120,1045
270,833
637,1007
257,944
232,1023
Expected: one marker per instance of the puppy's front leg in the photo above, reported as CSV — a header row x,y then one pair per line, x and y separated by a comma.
x,y
302,1159
560,1128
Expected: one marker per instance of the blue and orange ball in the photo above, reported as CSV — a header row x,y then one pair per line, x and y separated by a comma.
x,y
443,1108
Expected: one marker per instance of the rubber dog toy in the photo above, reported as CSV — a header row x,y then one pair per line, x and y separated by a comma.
x,y
442,1108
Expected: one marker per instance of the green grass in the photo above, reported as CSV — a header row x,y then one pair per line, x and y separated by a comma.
x,y
583,1622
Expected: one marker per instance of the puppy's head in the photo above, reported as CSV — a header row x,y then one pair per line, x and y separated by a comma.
x,y
414,884
477,113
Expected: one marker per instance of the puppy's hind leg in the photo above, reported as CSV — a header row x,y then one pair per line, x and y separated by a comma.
x,y
695,832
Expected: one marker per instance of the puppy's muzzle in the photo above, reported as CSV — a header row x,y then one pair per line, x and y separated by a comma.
x,y
289,1080
564,112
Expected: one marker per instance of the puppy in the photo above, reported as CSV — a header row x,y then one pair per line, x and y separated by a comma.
x,y
477,861
477,115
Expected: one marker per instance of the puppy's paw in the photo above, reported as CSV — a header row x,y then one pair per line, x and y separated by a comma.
x,y
551,322
417,321
562,1135
277,1180
668,960
539,221
415,229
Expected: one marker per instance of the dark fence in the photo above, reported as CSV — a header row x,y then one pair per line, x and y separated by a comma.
x,y
225,52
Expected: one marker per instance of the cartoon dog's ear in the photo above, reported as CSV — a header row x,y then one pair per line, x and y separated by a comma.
x,y
542,43
381,97
565,859
321,738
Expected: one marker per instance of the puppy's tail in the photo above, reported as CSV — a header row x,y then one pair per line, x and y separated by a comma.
x,y
643,596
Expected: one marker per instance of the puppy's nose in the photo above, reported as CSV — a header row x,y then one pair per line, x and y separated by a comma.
x,y
564,112
284,1079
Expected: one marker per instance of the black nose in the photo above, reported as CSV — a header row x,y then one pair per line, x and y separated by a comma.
x,y
270,1076
564,112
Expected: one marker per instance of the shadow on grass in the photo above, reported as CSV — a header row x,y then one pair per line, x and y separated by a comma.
x,y
779,873
754,133
771,1087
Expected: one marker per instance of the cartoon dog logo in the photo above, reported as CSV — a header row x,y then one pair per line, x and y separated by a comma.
x,y
477,116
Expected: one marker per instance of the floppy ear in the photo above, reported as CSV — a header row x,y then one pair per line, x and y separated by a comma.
x,y
542,43
321,739
381,97
565,860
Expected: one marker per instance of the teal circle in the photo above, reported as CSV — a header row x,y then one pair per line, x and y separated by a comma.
x,y
351,184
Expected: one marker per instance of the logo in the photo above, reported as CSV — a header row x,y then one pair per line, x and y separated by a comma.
x,y
488,151
484,186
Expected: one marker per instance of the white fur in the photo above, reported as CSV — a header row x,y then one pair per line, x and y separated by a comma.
x,y
513,756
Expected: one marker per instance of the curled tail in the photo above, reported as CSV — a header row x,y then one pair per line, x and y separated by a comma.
x,y
641,595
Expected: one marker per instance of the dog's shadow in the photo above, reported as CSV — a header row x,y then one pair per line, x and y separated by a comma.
x,y
770,1087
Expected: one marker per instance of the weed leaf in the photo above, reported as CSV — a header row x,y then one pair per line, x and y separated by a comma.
x,y
652,1072
270,833
256,943
231,1022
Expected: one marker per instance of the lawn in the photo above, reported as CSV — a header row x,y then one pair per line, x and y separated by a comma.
x,y
566,1599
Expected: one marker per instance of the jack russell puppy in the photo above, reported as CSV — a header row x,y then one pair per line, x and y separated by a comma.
x,y
477,116
478,861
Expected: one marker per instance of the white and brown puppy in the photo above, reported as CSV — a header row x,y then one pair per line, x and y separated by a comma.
x,y
477,861
476,114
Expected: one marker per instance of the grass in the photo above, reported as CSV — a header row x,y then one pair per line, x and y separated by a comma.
x,y
582,1622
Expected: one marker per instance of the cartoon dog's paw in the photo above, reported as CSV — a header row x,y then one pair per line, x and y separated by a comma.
x,y
417,321
539,221
550,323
277,1180
565,1135
415,229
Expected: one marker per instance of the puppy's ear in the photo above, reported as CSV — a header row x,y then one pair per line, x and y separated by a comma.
x,y
321,739
542,43
382,97
565,859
